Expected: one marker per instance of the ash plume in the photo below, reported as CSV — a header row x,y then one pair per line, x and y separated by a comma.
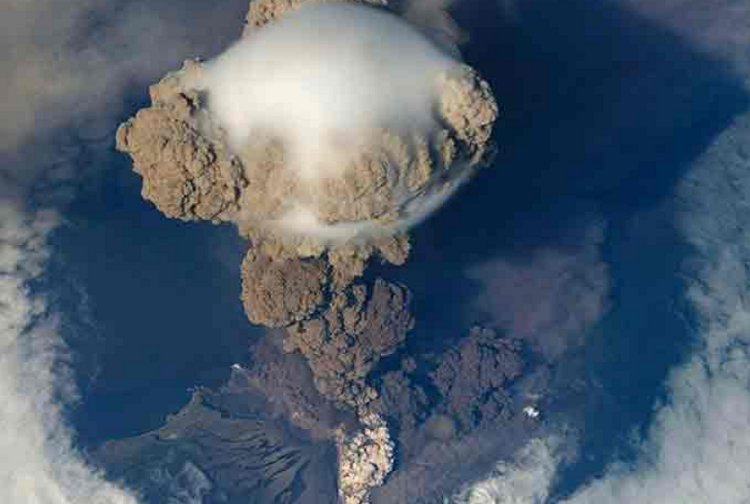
x,y
371,70
323,151
311,142
327,132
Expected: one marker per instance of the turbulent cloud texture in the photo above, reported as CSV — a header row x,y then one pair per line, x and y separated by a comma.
x,y
313,141
65,68
40,465
68,70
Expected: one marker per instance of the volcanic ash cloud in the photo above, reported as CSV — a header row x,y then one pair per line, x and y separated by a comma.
x,y
333,124
324,134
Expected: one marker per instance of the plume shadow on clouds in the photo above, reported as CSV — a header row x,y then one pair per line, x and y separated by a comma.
x,y
602,113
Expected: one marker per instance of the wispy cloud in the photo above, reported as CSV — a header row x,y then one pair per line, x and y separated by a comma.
x,y
697,448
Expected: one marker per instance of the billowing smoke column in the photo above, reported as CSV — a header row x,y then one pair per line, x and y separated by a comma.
x,y
334,124
324,134
322,77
